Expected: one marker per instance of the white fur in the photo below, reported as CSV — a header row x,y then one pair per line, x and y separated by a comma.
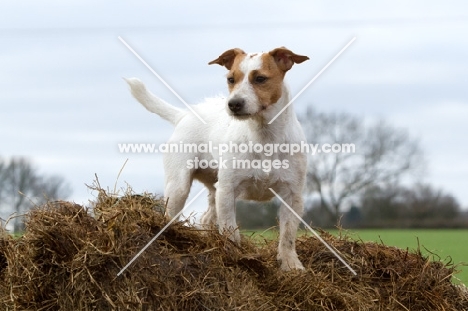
x,y
227,185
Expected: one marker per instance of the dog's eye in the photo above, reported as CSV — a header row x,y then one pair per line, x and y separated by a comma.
x,y
230,80
260,79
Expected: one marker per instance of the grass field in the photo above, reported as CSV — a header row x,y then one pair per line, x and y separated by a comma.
x,y
446,244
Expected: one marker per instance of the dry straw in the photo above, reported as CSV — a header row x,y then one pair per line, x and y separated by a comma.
x,y
68,260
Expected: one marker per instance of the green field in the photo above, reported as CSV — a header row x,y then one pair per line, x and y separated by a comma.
x,y
446,244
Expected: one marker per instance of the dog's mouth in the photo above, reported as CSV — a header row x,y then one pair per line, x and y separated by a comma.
x,y
241,116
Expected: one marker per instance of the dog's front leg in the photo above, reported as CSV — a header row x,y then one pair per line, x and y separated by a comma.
x,y
287,255
226,212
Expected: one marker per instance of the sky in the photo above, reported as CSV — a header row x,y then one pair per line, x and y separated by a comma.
x,y
65,106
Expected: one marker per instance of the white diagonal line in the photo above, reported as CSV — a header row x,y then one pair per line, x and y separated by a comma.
x,y
159,233
313,79
315,233
161,79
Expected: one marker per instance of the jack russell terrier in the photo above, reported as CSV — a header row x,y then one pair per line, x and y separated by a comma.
x,y
257,94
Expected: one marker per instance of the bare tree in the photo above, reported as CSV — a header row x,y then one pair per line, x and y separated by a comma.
x,y
22,187
382,154
428,205
384,206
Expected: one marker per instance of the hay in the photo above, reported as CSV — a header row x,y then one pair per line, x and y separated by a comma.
x,y
68,260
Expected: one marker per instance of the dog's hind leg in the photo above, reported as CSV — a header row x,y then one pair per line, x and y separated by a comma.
x,y
177,189
176,195
209,217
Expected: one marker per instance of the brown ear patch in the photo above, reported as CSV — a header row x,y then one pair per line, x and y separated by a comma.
x,y
285,58
227,58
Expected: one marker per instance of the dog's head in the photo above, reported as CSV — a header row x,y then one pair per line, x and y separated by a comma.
x,y
255,80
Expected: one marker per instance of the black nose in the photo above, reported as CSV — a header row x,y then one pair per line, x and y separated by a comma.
x,y
236,104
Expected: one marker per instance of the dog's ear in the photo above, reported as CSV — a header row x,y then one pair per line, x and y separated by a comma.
x,y
285,58
227,58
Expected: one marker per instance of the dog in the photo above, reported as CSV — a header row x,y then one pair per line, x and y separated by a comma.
x,y
257,94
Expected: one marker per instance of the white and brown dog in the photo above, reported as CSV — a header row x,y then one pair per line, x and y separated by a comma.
x,y
257,95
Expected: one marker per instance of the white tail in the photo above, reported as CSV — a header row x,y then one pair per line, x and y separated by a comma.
x,y
153,103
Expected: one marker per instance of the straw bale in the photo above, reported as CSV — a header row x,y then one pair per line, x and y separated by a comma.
x,y
68,260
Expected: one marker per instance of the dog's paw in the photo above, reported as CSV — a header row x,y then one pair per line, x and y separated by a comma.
x,y
208,218
290,262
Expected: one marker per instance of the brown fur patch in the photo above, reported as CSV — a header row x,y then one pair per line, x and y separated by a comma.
x,y
270,91
235,72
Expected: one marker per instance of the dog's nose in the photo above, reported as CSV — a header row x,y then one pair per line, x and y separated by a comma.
x,y
236,104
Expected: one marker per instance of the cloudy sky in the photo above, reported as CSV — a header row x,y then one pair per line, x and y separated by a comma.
x,y
65,106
